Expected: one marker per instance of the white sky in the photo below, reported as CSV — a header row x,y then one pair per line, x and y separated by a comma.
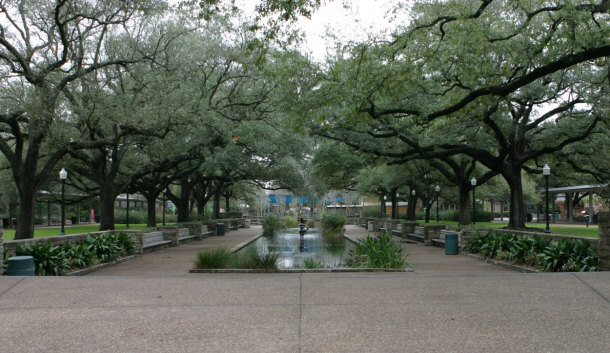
x,y
359,20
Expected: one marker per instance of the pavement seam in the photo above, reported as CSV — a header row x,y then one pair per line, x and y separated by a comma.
x,y
11,287
592,288
300,310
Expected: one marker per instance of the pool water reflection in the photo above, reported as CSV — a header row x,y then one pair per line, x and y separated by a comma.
x,y
329,251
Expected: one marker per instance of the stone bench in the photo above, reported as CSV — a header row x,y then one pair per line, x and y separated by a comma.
x,y
154,241
417,235
397,232
184,235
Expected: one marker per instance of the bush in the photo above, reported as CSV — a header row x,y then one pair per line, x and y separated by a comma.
x,y
536,250
311,263
125,243
79,256
290,222
271,224
372,213
332,223
379,252
48,260
213,259
135,217
105,247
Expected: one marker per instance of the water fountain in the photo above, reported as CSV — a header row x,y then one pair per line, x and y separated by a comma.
x,y
302,230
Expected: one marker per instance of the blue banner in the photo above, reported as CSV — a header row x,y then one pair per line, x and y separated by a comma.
x,y
272,198
303,200
288,198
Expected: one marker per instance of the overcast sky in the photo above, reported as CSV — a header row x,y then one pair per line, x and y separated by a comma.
x,y
357,21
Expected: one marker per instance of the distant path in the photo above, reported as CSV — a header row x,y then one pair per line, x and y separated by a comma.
x,y
178,261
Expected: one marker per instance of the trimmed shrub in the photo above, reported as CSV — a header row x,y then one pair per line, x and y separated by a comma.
x,y
332,223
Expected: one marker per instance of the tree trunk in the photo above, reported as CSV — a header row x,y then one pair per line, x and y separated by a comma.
x,y
25,220
516,207
107,211
464,204
411,209
151,212
382,205
394,205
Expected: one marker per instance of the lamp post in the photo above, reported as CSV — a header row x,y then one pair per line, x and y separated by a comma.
x,y
473,182
127,216
438,191
63,175
546,171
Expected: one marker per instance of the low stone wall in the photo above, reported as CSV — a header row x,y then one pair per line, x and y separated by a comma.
x,y
1,247
171,233
432,231
408,227
10,246
603,238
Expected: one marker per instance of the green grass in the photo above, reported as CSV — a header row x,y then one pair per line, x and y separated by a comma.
x,y
9,234
560,229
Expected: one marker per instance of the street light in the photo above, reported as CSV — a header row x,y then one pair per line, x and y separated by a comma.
x,y
546,171
438,191
473,182
63,175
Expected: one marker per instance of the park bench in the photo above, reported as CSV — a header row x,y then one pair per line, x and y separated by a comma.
x,y
205,232
154,241
184,235
417,235
440,241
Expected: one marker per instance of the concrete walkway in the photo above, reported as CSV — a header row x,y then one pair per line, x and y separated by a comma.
x,y
476,309
177,261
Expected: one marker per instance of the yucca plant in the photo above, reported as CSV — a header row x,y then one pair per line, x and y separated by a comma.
x,y
378,252
311,263
214,259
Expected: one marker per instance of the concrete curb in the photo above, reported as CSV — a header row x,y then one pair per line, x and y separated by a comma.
x,y
244,244
98,267
299,270
502,264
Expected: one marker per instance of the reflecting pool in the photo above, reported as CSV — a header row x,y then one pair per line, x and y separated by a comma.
x,y
328,251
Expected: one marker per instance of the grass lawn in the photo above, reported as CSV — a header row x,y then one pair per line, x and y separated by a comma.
x,y
9,234
561,229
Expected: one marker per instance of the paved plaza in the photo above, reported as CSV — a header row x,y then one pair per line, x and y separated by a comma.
x,y
448,304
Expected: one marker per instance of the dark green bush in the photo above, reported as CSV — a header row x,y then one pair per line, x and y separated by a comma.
x,y
124,241
48,260
79,256
135,217
536,250
332,223
105,247
378,252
